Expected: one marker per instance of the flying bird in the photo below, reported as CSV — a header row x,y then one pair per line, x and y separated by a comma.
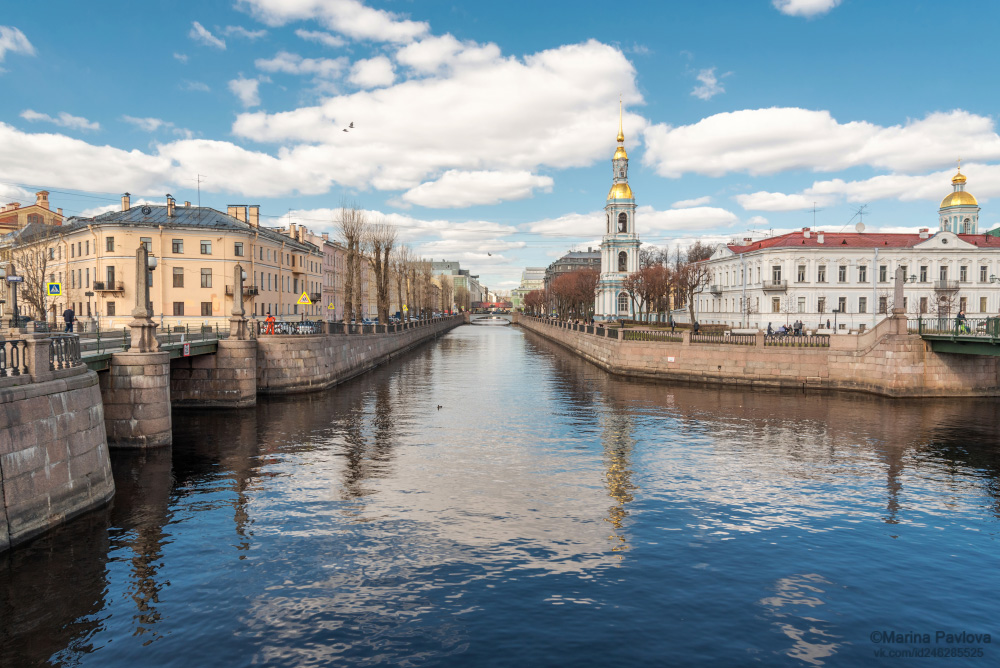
x,y
345,129
489,253
351,125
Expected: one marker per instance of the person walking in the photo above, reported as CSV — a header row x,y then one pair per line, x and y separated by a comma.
x,y
269,321
770,330
960,325
696,326
70,317
672,324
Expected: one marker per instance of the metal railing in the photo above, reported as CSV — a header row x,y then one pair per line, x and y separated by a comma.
x,y
297,327
725,337
647,335
64,352
775,286
13,358
946,285
802,341
986,328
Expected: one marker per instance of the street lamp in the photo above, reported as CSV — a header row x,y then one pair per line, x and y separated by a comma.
x,y
835,312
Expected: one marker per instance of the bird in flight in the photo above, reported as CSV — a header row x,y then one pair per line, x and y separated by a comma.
x,y
489,253
345,129
351,125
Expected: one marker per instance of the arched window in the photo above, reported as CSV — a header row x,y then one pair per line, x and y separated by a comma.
x,y
609,223
623,261
967,226
622,222
621,173
622,302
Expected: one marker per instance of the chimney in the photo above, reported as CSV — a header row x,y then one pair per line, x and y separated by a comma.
x,y
806,232
170,206
59,212
819,237
326,236
241,212
126,202
747,241
291,230
923,233
187,205
254,217
231,210
42,199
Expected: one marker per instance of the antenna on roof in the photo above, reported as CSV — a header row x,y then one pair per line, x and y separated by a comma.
x,y
814,213
859,213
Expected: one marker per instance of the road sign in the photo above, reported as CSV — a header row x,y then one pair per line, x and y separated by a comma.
x,y
187,350
331,307
304,300
404,308
15,279
53,289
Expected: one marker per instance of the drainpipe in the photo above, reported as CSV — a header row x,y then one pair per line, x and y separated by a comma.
x,y
743,301
875,289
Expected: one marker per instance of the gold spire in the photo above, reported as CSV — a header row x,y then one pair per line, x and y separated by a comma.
x,y
621,135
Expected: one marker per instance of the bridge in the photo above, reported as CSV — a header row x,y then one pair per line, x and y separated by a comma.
x,y
972,336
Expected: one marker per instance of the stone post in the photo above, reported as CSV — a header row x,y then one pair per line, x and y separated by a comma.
x,y
37,355
686,337
758,340
238,321
898,311
142,325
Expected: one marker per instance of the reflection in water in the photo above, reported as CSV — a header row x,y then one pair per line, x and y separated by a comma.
x,y
365,525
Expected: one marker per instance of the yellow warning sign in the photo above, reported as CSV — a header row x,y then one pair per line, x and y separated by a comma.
x,y
404,308
304,300
331,307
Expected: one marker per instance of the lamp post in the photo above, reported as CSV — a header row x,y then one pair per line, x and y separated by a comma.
x,y
835,312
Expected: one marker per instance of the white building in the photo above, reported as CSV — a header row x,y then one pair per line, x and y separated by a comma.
x,y
620,246
847,278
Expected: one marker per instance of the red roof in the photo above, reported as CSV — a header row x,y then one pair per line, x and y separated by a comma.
x,y
834,240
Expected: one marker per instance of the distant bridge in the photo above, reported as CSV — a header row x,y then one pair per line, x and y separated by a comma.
x,y
972,336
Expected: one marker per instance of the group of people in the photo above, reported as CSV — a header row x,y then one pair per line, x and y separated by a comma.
x,y
794,330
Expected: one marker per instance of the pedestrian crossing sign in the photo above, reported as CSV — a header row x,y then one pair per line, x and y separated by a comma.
x,y
331,307
404,308
53,289
304,300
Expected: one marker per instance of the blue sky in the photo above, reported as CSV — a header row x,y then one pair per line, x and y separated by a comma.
x,y
485,130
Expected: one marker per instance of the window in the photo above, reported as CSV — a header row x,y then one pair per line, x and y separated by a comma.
x,y
147,242
982,274
149,278
110,308
943,273
821,304
775,304
178,277
801,275
883,273
177,245
622,302
178,308
821,274
904,273
802,304
923,304
842,304
963,274
79,250
883,304
109,244
72,279
622,260
52,253
238,249
206,247
88,276
110,271
72,250
622,222
87,247
206,308
842,273
923,273
862,304
963,303
776,273
206,278
862,274
982,304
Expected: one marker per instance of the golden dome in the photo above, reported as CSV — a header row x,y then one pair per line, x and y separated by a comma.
x,y
959,198
620,153
620,191
958,178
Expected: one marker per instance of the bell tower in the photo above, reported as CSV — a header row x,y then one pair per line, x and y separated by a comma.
x,y
959,212
620,245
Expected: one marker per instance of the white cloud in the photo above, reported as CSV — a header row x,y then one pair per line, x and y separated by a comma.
x,y
246,91
436,54
147,124
767,201
686,203
108,208
456,188
200,34
63,120
764,141
806,8
10,193
648,220
372,73
757,221
292,63
13,40
182,57
240,31
347,17
984,182
710,86
197,86
324,38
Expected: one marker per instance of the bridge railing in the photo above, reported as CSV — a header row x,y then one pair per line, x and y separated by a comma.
x,y
64,352
987,328
802,341
651,335
13,358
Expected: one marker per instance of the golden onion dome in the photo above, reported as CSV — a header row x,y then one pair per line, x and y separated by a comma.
x,y
958,178
620,153
620,191
959,198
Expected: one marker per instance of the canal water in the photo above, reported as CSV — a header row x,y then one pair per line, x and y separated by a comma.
x,y
491,499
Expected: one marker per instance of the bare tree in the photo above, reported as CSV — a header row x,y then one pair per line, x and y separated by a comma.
x,y
31,251
352,225
691,275
401,259
379,239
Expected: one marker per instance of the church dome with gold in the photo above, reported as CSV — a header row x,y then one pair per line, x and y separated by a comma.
x,y
959,211
960,197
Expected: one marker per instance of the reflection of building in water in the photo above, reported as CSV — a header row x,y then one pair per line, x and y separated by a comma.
x,y
618,442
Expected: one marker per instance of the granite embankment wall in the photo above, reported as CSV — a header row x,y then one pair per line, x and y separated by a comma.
x,y
54,460
288,364
885,360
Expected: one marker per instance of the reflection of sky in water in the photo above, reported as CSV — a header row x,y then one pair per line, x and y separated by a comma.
x,y
547,513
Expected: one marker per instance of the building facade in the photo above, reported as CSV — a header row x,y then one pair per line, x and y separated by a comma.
x,y
620,247
847,278
13,216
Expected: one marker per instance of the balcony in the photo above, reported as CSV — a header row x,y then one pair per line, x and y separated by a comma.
x,y
109,286
248,291
946,286
715,290
315,297
775,286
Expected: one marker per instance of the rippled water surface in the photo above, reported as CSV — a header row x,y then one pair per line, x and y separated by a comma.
x,y
491,499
